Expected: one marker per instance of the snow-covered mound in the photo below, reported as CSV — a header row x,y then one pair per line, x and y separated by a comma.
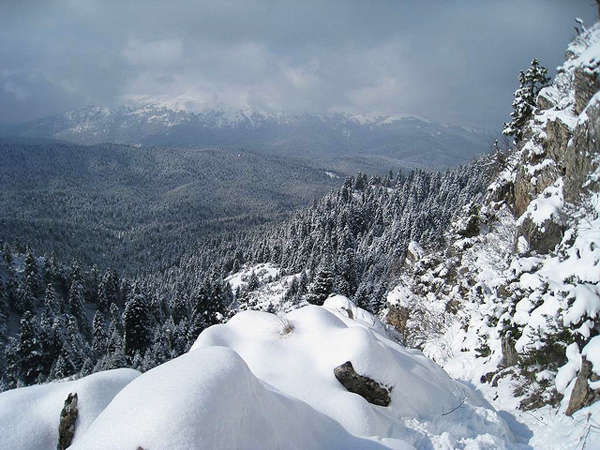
x,y
263,381
297,355
30,416
209,399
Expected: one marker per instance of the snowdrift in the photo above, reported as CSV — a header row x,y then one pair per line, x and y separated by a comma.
x,y
264,381
209,399
30,416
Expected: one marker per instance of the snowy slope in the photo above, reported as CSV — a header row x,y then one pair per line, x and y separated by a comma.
x,y
264,381
30,416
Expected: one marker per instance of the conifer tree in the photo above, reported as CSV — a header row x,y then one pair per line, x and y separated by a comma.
x,y
25,300
4,309
31,273
321,287
52,307
136,324
76,306
99,336
29,349
530,84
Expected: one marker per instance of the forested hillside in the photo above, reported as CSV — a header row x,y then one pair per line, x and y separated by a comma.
x,y
353,241
140,208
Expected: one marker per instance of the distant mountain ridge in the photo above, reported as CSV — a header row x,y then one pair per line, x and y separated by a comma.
x,y
353,141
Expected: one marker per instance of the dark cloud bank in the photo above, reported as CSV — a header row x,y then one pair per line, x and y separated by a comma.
x,y
451,61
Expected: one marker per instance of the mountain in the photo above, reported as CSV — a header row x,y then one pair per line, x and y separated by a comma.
x,y
346,142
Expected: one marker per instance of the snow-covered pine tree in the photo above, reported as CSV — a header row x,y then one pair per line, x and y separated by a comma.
x,y
31,272
29,350
136,324
99,336
322,285
76,306
530,84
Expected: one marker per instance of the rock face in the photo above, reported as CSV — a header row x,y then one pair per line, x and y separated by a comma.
x,y
367,388
582,395
587,84
543,238
562,142
66,427
510,356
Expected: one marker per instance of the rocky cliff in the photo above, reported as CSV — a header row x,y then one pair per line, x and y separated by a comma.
x,y
516,293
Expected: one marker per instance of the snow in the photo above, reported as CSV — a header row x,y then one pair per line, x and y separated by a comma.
x,y
569,370
297,355
548,206
30,415
592,353
266,381
262,271
210,399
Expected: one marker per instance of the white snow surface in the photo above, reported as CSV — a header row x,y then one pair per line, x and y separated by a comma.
x,y
297,355
265,382
30,415
209,399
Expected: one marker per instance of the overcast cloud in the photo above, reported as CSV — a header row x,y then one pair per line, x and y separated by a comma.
x,y
451,61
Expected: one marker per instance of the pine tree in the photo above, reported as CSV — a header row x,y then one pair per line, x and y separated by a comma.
x,y
107,292
4,310
31,272
29,350
74,350
99,336
136,324
52,307
530,84
76,305
321,287
25,300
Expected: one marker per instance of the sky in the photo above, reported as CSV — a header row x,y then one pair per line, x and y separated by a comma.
x,y
452,61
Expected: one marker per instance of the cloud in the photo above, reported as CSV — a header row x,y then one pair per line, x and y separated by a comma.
x,y
454,61
154,53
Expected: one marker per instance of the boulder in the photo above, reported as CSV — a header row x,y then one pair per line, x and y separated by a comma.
x,y
543,239
66,426
582,395
367,388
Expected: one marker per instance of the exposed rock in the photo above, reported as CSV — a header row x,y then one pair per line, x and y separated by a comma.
x,y
510,356
66,427
557,139
471,227
526,189
397,317
544,102
367,388
544,238
578,159
582,395
587,84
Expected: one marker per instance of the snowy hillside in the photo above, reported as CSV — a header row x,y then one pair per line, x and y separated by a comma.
x,y
265,381
521,272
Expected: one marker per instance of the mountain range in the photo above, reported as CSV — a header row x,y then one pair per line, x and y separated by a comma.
x,y
348,143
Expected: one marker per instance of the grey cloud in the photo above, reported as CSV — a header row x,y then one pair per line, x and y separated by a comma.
x,y
454,62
